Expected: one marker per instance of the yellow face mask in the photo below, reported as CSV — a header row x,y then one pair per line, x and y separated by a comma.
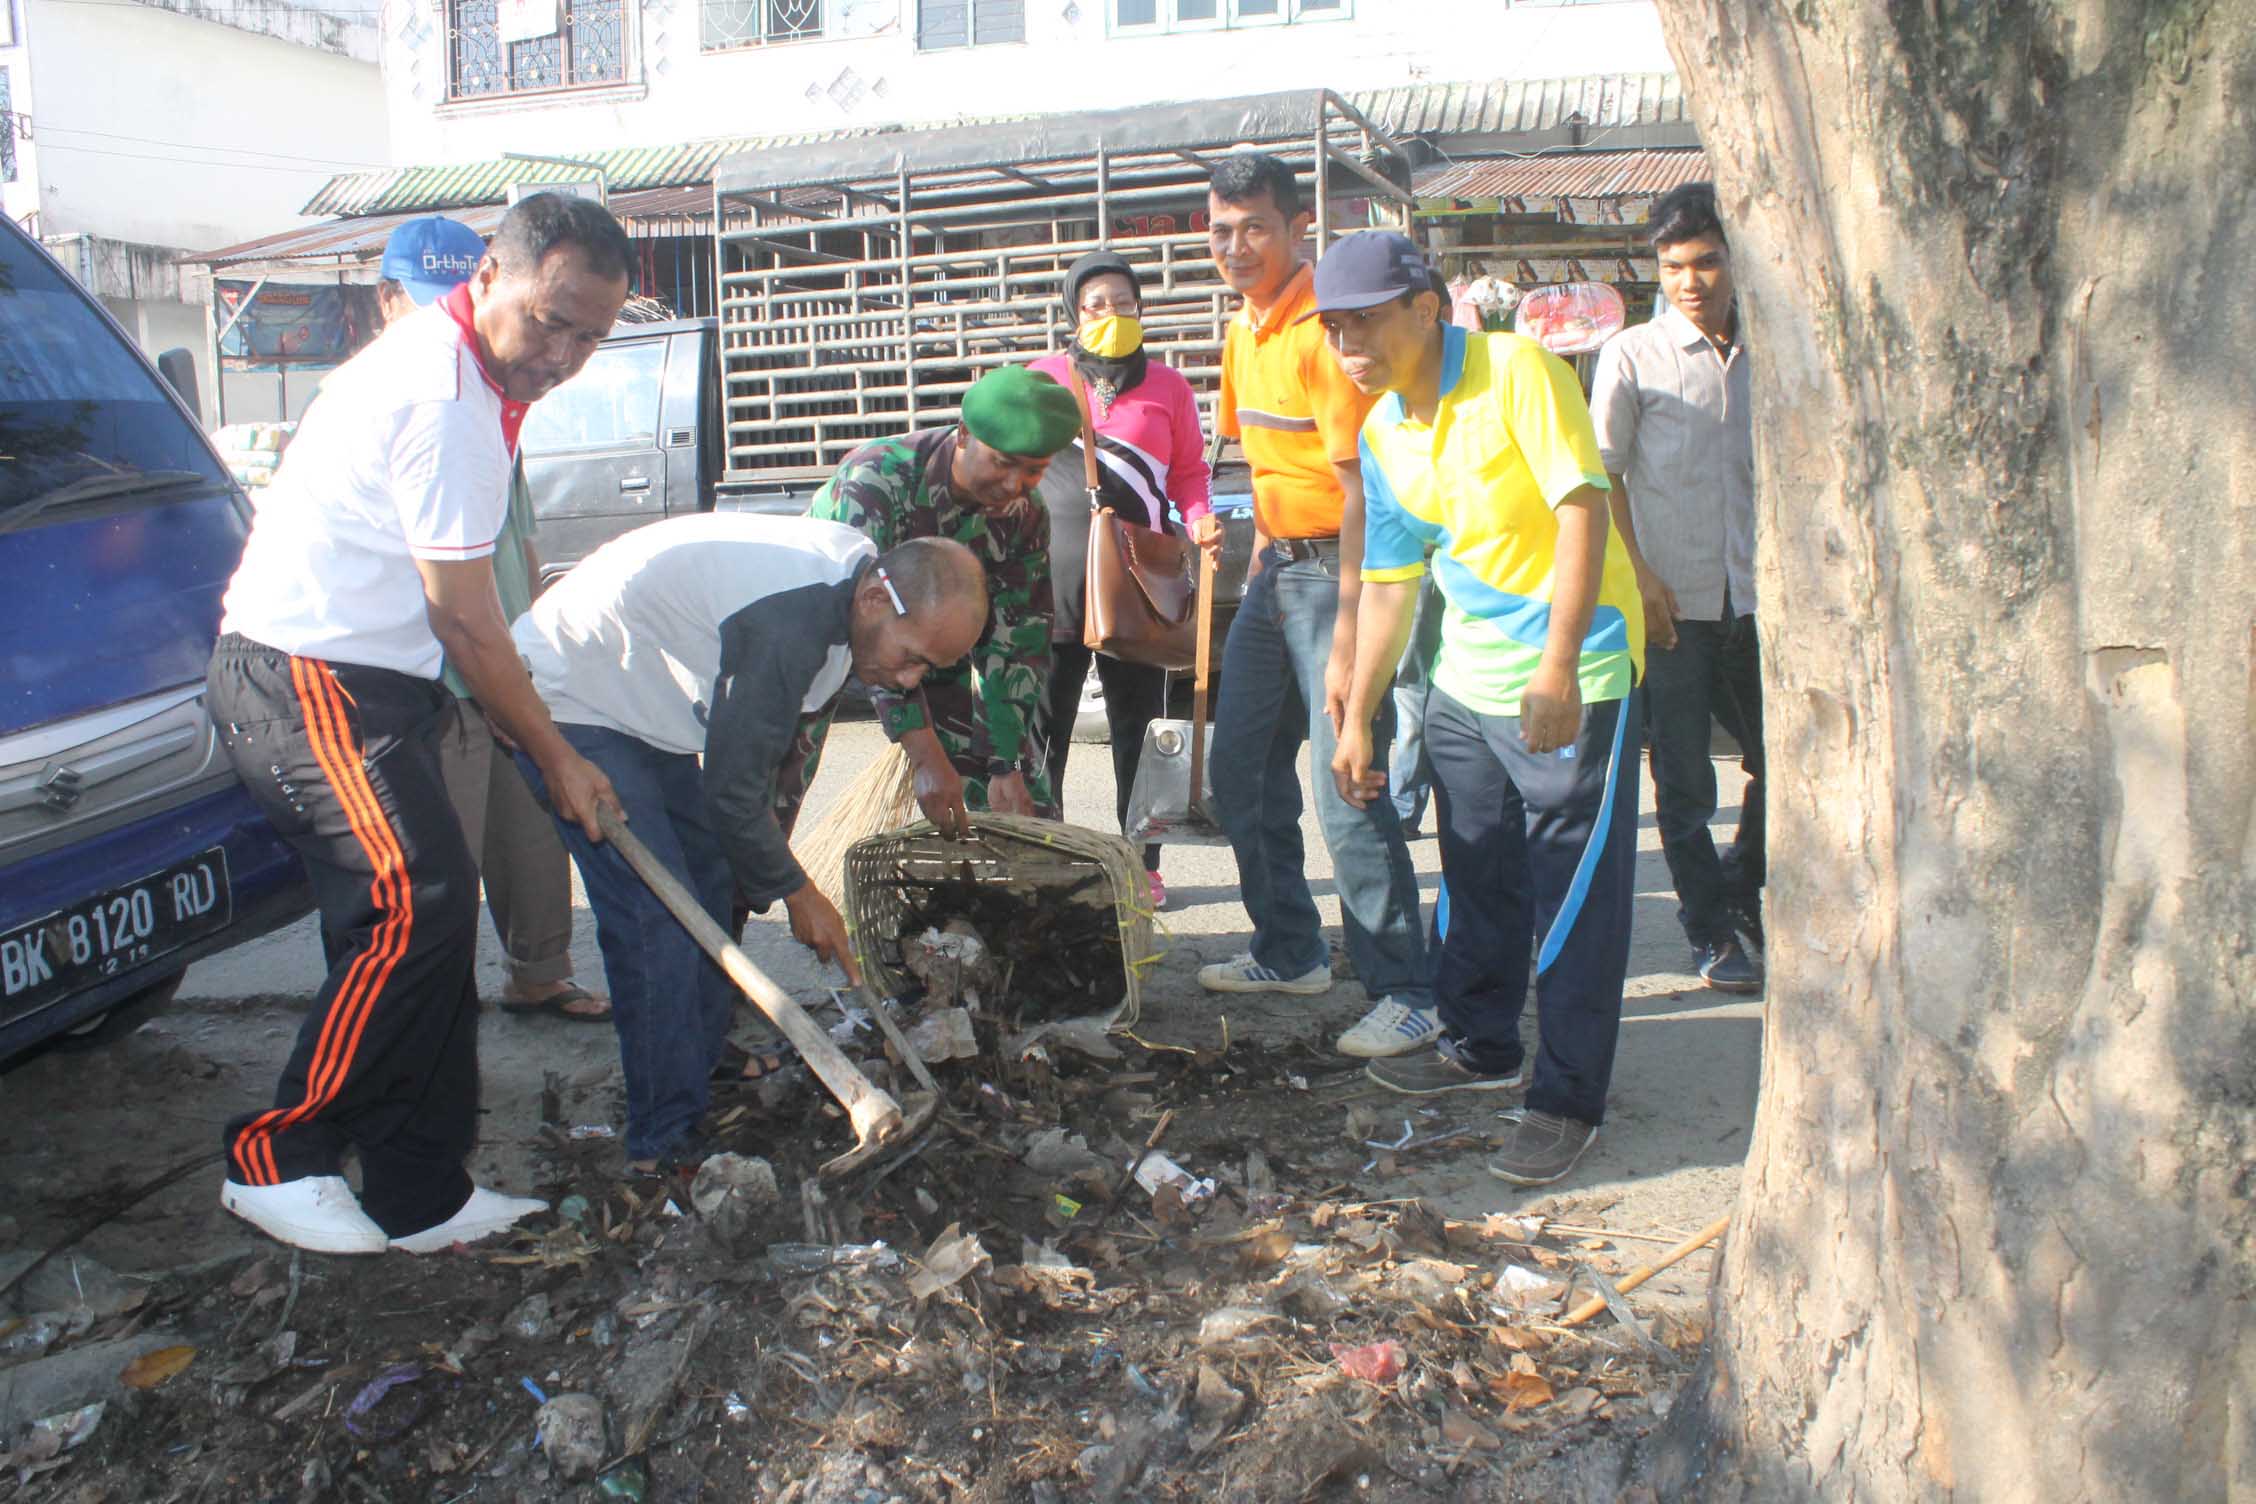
x,y
1113,337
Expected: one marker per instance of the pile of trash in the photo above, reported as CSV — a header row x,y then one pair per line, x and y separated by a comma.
x,y
1029,918
1108,1270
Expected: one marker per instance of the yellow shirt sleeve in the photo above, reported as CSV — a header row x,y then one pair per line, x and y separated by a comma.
x,y
1550,421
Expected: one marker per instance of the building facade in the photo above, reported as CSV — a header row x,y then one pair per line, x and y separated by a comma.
x,y
138,131
468,80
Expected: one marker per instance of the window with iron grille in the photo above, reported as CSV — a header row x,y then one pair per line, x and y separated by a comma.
x,y
723,25
1140,17
587,47
7,129
969,23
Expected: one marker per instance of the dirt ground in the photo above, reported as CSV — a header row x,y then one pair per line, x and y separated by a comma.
x,y
1139,1347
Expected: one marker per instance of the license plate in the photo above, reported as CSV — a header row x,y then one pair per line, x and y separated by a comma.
x,y
114,932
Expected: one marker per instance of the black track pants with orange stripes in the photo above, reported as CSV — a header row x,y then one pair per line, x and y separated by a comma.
x,y
345,761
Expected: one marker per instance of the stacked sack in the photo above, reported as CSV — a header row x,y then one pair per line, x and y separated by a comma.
x,y
253,451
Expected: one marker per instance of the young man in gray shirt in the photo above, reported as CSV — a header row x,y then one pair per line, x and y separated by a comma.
x,y
1671,401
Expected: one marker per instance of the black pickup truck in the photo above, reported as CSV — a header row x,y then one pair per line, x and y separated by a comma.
x,y
637,436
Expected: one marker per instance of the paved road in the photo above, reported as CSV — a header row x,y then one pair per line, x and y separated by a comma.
x,y
1684,1088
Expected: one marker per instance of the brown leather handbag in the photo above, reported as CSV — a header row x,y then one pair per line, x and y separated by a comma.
x,y
1140,594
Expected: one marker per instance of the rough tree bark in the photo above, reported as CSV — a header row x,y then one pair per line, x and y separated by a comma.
x,y
1994,1241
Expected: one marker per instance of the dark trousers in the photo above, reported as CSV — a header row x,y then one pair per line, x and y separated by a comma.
x,y
1134,696
1540,854
1713,673
670,1003
344,760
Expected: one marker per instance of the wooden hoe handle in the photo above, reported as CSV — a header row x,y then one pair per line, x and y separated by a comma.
x,y
876,1117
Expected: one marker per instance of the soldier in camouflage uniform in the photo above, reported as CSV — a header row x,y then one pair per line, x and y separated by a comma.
x,y
972,733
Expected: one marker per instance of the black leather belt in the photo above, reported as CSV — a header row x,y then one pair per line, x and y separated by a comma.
x,y
1301,550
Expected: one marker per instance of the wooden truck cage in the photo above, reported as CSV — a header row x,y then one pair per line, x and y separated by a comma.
x,y
883,274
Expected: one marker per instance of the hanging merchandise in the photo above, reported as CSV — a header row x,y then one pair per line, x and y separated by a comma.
x,y
1572,318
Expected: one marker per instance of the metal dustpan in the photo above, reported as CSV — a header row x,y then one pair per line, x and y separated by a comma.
x,y
1172,799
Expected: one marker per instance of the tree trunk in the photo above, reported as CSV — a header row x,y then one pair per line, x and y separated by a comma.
x,y
1994,1239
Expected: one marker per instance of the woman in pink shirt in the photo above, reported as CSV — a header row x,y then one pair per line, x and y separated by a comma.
x,y
1153,469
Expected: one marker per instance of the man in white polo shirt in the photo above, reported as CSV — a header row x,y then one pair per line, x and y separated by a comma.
x,y
369,563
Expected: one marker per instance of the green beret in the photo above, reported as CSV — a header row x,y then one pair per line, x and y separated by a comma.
x,y
1021,412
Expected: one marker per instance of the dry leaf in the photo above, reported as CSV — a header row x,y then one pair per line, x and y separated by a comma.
x,y
252,1278
1460,1430
952,1255
1523,1391
1421,1227
1511,1229
1264,1249
1515,1339
1578,1402
151,1369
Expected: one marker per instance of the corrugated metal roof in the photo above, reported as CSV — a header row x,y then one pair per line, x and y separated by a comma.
x,y
435,188
1604,100
691,164
1576,173
645,213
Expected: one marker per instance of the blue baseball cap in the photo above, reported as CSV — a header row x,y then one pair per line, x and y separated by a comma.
x,y
1367,268
432,256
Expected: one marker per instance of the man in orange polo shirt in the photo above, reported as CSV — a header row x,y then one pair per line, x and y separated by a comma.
x,y
1290,657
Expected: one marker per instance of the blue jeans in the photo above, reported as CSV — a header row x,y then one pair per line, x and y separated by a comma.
x,y
1273,702
670,1004
1410,779
1540,854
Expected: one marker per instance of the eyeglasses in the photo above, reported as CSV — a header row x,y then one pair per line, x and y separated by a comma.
x,y
1099,306
891,594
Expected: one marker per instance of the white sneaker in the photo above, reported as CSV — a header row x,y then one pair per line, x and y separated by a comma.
x,y
1389,1029
317,1213
1244,974
483,1215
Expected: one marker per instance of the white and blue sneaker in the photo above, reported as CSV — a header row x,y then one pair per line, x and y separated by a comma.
x,y
1390,1029
1244,974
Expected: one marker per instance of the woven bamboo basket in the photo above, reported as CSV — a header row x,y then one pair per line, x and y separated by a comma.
x,y
1040,858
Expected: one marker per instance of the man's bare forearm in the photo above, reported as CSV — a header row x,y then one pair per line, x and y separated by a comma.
x,y
1387,613
465,616
1350,544
498,682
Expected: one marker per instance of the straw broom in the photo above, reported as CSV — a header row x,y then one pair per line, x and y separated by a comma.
x,y
881,798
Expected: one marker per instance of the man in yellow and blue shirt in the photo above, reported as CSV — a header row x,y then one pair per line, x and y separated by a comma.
x,y
1482,450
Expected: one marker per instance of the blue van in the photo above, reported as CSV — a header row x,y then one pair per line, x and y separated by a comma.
x,y
128,848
